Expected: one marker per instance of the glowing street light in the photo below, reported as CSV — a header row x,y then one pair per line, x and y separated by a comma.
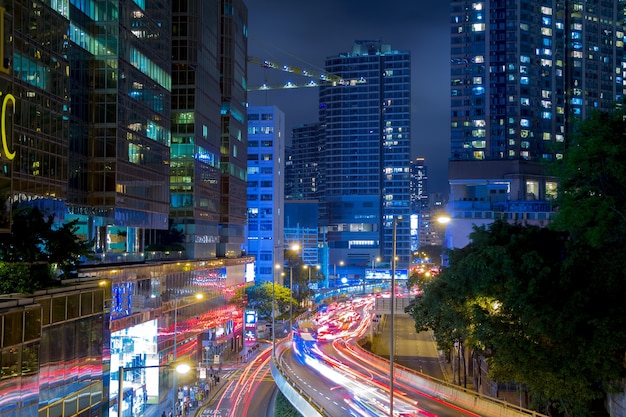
x,y
197,296
335,271
294,247
391,304
309,267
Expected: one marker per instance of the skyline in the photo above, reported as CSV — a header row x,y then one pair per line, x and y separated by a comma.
x,y
283,31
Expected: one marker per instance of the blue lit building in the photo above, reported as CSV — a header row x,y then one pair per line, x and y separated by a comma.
x,y
521,74
366,156
266,178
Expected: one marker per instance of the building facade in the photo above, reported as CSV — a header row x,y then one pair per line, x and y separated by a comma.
x,y
120,61
304,175
104,122
266,178
521,74
196,125
366,155
234,142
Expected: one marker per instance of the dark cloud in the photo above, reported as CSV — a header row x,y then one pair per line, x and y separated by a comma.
x,y
303,34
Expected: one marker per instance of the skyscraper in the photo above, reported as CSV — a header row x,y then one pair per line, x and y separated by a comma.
x,y
366,154
521,73
304,175
234,140
266,177
120,61
196,125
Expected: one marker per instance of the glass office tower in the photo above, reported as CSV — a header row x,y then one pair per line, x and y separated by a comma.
x,y
34,83
120,60
234,135
195,150
366,155
521,73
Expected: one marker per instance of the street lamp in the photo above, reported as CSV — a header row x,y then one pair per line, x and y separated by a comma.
x,y
308,267
335,271
198,296
181,368
290,296
391,304
274,310
293,247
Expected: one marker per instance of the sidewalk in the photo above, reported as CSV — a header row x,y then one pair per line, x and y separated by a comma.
x,y
230,365
416,351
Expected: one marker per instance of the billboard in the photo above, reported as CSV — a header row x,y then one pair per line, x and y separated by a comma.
x,y
383,273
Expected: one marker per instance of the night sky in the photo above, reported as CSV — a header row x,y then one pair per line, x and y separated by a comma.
x,y
303,33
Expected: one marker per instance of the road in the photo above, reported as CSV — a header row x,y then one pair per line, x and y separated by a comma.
x,y
249,390
341,378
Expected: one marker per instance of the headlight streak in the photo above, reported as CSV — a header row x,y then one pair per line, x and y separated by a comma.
x,y
371,393
367,395
256,370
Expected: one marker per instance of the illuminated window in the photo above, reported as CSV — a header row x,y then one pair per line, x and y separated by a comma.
x,y
551,190
532,190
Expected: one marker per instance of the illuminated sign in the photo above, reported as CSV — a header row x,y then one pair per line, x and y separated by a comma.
x,y
251,319
386,274
5,146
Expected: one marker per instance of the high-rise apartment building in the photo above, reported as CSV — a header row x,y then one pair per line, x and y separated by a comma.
x,y
304,175
266,178
419,185
366,155
521,73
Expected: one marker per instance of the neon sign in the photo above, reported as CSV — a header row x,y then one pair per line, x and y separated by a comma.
x,y
5,146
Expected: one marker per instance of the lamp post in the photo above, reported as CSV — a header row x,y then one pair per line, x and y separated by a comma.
x,y
290,296
391,304
198,297
335,271
182,369
276,267
308,267
294,247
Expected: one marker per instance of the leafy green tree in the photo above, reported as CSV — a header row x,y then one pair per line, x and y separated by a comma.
x,y
260,298
546,306
38,245
16,278
64,248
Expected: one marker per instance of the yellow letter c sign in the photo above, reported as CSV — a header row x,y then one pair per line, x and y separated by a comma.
x,y
5,146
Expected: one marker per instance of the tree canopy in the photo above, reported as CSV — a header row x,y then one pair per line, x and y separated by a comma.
x,y
36,246
260,298
547,305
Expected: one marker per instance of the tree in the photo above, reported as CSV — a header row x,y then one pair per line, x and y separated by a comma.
x,y
546,306
504,294
260,298
39,245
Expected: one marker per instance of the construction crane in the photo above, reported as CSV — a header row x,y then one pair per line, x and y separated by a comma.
x,y
321,78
